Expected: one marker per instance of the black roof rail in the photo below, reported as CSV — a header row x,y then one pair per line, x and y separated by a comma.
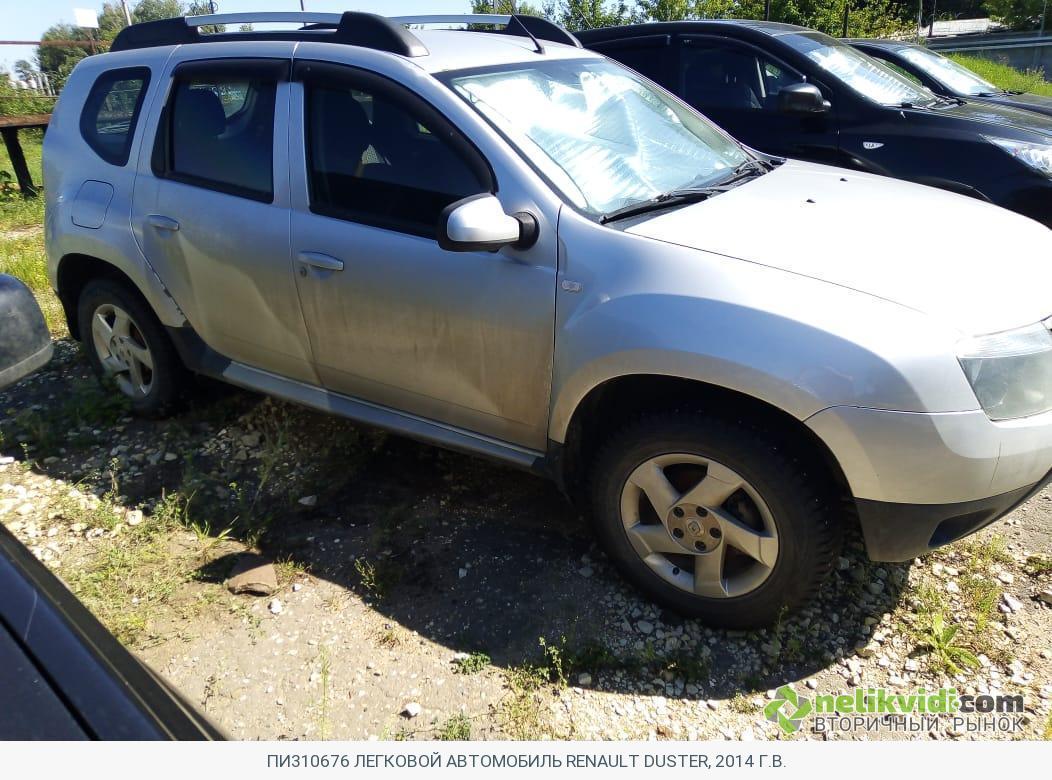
x,y
353,28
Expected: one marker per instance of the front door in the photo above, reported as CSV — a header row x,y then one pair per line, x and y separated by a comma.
x,y
211,210
462,338
736,85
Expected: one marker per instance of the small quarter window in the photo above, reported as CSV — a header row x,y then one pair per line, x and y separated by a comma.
x,y
111,112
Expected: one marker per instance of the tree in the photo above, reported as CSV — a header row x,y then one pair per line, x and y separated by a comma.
x,y
58,60
504,7
588,14
668,10
1019,14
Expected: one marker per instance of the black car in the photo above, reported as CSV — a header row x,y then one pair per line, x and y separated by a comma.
x,y
62,675
945,77
794,92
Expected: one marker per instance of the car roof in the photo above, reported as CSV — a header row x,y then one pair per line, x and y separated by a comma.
x,y
883,43
457,49
767,28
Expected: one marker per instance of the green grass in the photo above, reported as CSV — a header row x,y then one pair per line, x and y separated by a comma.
x,y
1005,76
473,664
32,146
456,729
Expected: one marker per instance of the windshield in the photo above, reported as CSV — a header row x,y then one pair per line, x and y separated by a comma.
x,y
867,76
957,77
600,135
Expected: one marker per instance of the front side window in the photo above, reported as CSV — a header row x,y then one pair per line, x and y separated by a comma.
x,y
946,71
723,75
865,75
604,138
222,135
372,158
108,119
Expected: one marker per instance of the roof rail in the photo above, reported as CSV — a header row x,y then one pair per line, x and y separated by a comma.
x,y
533,26
351,27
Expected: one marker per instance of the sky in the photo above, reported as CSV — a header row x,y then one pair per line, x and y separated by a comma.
x,y
27,19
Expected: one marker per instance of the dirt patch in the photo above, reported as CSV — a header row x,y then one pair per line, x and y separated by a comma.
x,y
424,594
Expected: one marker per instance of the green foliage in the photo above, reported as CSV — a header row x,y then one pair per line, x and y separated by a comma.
x,y
504,7
1018,14
473,664
588,14
1005,76
945,654
458,727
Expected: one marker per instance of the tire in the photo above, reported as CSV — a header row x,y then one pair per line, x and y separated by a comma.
x,y
780,512
153,391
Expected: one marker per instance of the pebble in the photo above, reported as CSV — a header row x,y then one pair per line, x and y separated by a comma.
x,y
1010,604
584,679
275,606
412,709
308,501
1046,596
645,627
134,517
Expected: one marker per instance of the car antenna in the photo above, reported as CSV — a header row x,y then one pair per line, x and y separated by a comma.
x,y
515,18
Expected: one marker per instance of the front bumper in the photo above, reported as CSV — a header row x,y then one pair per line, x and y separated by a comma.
x,y
899,532
921,480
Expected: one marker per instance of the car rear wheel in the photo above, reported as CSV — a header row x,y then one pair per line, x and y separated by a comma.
x,y
127,347
713,518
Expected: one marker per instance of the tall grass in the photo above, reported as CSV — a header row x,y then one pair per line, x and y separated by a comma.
x,y
1005,76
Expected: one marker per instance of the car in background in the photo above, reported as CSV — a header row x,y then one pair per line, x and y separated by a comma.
x,y
946,77
798,93
25,344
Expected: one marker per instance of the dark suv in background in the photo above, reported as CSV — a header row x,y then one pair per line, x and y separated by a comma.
x,y
945,77
790,91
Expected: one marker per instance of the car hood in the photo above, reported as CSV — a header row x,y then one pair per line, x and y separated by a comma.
x,y
1001,115
1028,101
976,267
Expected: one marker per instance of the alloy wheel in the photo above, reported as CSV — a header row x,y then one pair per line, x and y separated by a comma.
x,y
699,525
122,350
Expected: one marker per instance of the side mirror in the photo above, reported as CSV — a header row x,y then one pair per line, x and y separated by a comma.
x,y
802,98
479,224
25,344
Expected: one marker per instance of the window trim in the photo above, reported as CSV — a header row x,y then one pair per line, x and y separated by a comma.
x,y
112,76
333,75
274,70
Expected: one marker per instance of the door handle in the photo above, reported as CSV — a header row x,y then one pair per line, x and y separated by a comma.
x,y
163,223
321,260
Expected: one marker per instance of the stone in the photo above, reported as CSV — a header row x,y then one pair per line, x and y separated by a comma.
x,y
253,574
645,627
275,606
308,501
1046,596
134,517
1010,604
412,709
584,679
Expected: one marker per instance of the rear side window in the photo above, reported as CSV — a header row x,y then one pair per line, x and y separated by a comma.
x,y
219,134
111,111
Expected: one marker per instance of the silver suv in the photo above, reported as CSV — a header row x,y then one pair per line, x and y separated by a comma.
x,y
506,245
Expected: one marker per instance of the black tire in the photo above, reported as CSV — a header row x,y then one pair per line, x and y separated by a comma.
x,y
796,492
168,374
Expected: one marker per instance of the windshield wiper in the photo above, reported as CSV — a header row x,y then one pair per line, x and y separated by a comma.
x,y
663,201
681,195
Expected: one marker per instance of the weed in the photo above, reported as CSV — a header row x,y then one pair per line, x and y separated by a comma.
x,y
456,729
378,578
472,664
1037,565
945,655
741,704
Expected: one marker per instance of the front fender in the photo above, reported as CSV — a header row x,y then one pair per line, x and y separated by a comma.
x,y
796,343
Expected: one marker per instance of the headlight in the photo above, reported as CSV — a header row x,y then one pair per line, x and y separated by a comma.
x,y
1010,372
1036,156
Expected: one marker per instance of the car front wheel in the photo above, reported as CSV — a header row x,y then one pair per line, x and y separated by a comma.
x,y
713,518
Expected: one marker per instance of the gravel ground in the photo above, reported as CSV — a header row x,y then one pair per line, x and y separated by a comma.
x,y
424,594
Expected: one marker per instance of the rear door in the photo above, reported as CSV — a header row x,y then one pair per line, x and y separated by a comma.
x,y
737,85
211,208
